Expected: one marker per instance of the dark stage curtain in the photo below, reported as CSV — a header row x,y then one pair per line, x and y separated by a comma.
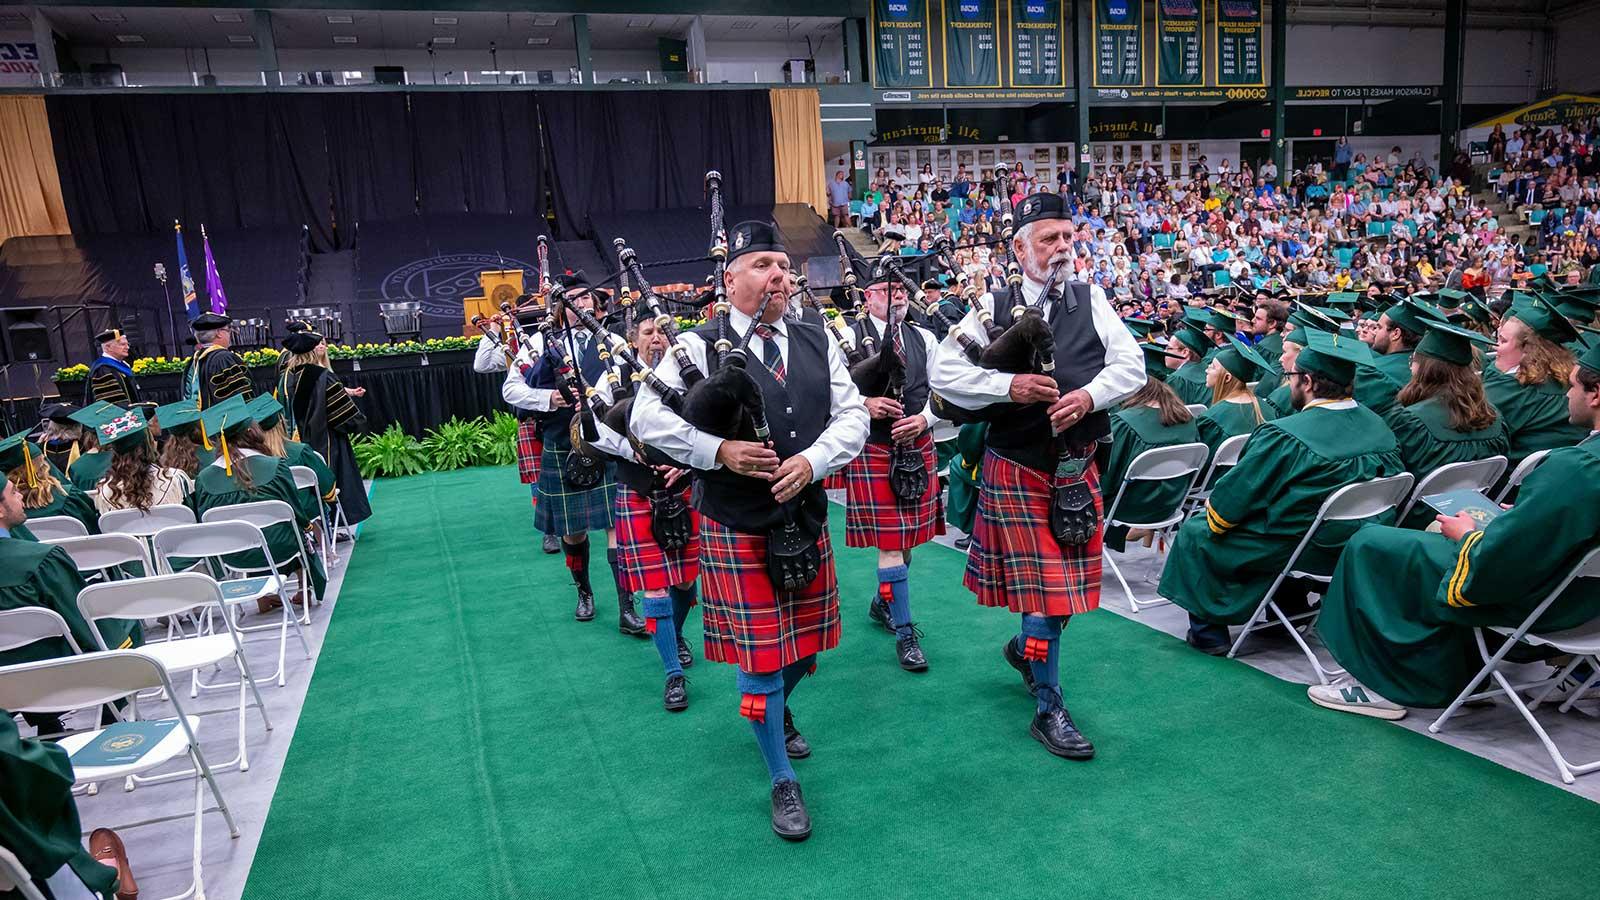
x,y
478,152
369,152
650,150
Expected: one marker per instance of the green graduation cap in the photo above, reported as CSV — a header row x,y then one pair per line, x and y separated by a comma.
x,y
1412,315
1242,361
1155,361
1309,318
1190,336
1590,357
1219,318
1141,328
90,416
266,410
1334,356
17,451
121,429
229,417
1337,315
1450,343
1343,298
1371,315
1450,298
1544,319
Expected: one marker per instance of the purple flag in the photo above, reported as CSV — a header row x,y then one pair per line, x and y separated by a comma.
x,y
219,299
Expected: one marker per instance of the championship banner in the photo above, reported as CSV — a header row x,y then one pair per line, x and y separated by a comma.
x,y
1118,43
900,44
1239,26
1037,36
1180,61
971,43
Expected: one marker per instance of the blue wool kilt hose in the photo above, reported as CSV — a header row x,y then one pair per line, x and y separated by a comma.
x,y
746,621
642,564
875,517
563,511
1014,560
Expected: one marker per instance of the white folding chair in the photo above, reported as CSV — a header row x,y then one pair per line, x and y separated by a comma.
x,y
340,523
104,553
24,625
144,524
1353,502
305,479
1583,643
1178,463
214,540
1521,472
13,877
1195,408
264,514
95,679
1473,475
1226,457
169,595
54,528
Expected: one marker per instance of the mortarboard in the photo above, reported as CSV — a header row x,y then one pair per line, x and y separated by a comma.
x,y
1450,343
1333,356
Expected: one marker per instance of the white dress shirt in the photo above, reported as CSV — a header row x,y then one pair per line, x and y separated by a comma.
x,y
929,346
610,441
490,357
841,440
957,380
514,390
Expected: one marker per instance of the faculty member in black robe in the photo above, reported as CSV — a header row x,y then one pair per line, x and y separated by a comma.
x,y
319,412
214,373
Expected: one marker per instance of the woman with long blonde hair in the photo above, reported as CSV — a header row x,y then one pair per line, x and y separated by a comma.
x,y
1234,408
43,494
1528,381
320,412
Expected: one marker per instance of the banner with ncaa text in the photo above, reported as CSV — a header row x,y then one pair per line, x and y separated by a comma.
x,y
971,43
1118,43
1180,61
900,44
1038,37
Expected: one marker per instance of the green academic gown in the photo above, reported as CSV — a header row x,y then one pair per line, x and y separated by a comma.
x,y
298,454
1280,402
965,470
1224,419
38,816
89,469
1379,382
1427,442
1224,560
1270,348
73,502
1535,415
270,480
1400,611
1133,431
35,574
1189,383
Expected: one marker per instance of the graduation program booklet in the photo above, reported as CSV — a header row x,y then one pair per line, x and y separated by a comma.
x,y
1473,503
122,743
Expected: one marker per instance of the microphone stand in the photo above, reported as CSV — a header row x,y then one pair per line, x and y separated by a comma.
x,y
172,325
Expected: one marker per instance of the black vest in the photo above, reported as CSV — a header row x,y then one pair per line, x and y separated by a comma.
x,y
797,413
554,424
916,391
1021,433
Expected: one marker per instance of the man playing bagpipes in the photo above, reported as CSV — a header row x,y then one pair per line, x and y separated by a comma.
x,y
1037,541
771,599
892,489
576,491
496,354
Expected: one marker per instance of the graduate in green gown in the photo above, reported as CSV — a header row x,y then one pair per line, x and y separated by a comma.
x,y
966,471
1442,416
183,447
1224,560
1302,322
1234,410
91,466
1393,339
1399,614
1152,417
1270,318
244,472
43,493
1528,382
38,815
268,413
1186,353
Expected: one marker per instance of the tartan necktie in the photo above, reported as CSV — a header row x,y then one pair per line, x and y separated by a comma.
x,y
770,355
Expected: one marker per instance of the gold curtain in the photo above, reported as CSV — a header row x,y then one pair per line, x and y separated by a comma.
x,y
30,189
797,171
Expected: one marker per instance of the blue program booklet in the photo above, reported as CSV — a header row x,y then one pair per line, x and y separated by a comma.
x,y
1452,503
243,587
122,743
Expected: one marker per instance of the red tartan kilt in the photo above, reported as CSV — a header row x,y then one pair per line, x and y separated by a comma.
x,y
834,482
530,446
1014,560
875,517
745,621
642,562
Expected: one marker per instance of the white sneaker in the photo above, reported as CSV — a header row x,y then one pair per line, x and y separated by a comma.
x,y
1351,696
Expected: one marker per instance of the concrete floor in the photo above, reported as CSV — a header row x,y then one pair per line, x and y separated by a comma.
x,y
160,853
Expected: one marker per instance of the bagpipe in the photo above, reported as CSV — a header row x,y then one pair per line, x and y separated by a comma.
x,y
883,374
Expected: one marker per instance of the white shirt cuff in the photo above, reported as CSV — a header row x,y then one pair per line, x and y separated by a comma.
x,y
703,452
818,460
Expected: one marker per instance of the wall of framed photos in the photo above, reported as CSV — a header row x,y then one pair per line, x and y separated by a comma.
x,y
1173,158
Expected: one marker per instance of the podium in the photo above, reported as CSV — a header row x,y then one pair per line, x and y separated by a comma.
x,y
498,287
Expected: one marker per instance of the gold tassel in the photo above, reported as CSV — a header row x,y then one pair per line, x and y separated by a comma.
x,y
27,464
204,440
72,456
222,438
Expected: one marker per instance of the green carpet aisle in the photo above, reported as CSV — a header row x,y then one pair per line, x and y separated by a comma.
x,y
464,737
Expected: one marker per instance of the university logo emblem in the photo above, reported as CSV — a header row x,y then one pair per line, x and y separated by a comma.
x,y
123,743
439,282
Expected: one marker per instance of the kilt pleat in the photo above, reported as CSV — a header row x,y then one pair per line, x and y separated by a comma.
x,y
1014,560
530,446
746,621
563,511
875,517
643,564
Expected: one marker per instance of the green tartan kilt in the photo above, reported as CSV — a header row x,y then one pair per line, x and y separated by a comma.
x,y
563,511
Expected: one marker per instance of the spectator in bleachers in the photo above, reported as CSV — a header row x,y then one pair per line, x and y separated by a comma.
x,y
839,200
1400,611
1527,382
1223,562
1153,417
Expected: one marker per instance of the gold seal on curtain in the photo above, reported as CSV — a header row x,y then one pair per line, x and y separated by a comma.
x,y
797,170
30,189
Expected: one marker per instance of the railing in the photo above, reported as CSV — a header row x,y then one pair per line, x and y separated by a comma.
x,y
412,78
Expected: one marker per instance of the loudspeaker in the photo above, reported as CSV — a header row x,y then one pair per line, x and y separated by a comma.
x,y
27,338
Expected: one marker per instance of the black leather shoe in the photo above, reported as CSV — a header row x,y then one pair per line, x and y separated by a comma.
x,y
628,621
962,543
552,544
1207,647
879,612
1015,660
794,744
910,652
790,820
676,696
1054,729
685,658
585,610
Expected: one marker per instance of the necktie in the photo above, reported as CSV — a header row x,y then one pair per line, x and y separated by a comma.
x,y
770,356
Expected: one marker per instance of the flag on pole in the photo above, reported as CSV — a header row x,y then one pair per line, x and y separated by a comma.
x,y
191,306
219,299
